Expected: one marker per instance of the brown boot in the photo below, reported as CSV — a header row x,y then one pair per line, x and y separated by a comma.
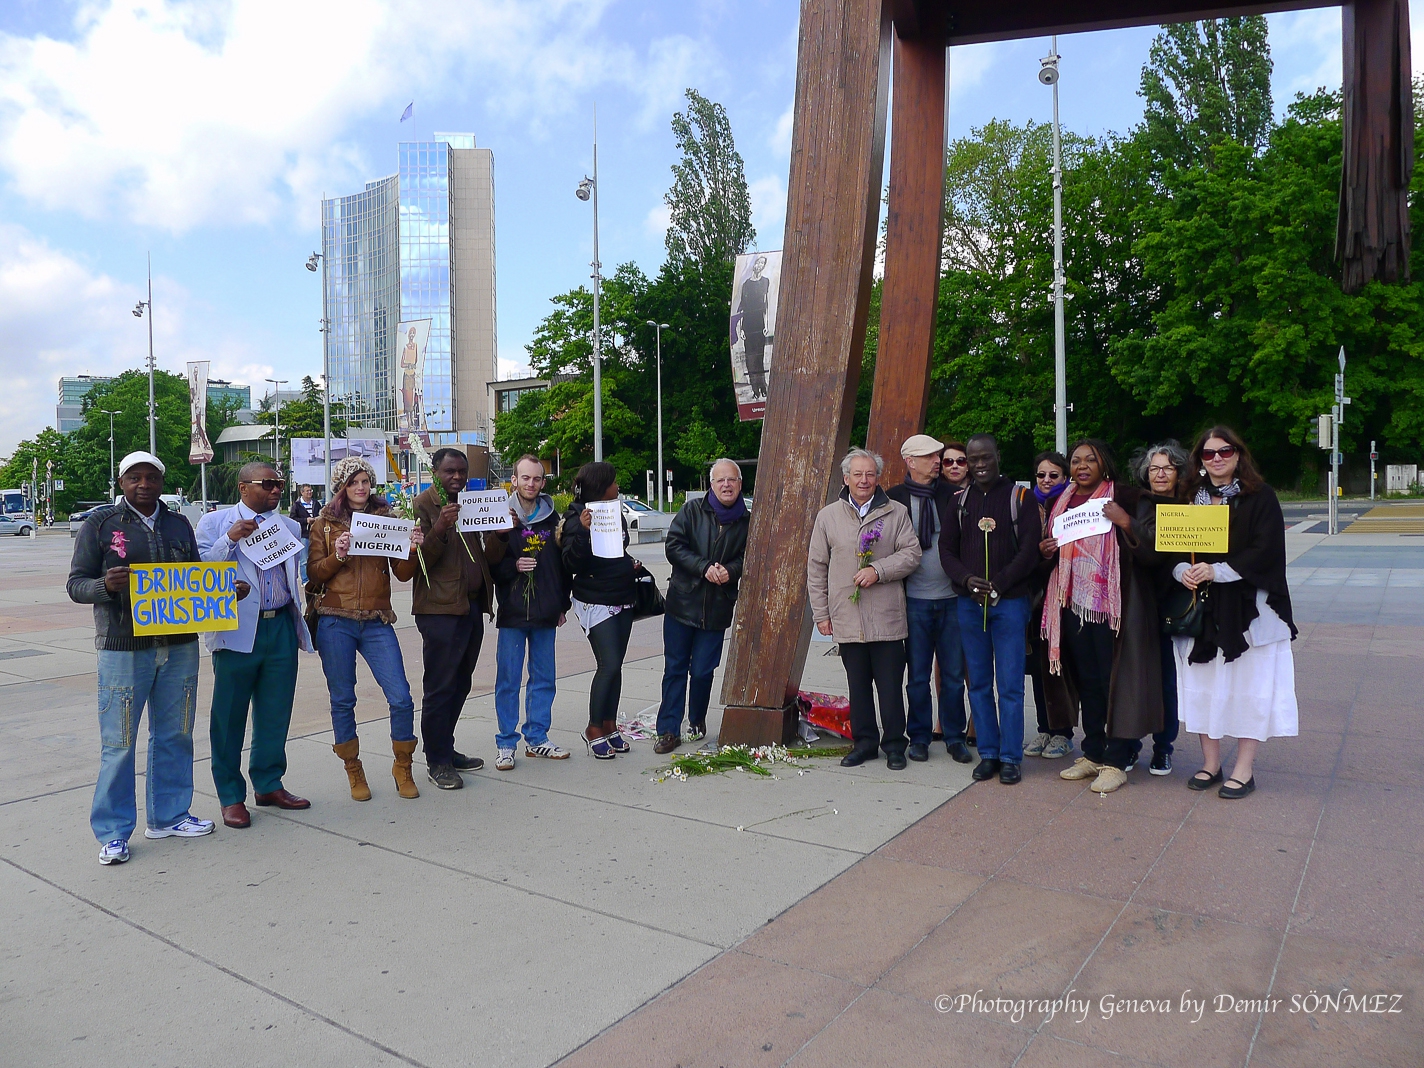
x,y
405,784
350,752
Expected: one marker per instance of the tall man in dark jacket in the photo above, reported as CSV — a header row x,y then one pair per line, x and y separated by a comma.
x,y
705,545
160,672
993,516
533,601
447,609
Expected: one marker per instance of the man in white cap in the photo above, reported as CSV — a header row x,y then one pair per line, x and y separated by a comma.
x,y
158,672
930,608
256,664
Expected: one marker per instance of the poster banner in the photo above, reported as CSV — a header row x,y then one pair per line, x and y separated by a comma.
x,y
269,545
484,510
309,463
380,535
753,325
410,395
1192,528
200,449
183,598
1082,522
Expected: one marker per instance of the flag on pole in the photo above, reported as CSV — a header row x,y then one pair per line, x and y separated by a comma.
x,y
408,112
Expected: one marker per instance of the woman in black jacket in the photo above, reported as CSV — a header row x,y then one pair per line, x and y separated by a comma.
x,y
602,602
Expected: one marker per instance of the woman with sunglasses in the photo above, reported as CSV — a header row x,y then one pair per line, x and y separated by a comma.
x,y
954,465
1237,678
1054,698
353,606
1100,620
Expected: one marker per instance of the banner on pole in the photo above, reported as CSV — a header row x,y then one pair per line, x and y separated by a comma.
x,y
753,325
484,510
410,396
183,598
380,535
1192,528
200,449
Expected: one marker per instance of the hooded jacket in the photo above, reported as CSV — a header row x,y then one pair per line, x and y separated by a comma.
x,y
539,597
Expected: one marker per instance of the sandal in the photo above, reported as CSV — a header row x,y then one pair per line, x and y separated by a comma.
x,y
598,748
1232,793
1197,783
617,742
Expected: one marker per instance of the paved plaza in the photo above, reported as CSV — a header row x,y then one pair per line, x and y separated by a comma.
x,y
579,913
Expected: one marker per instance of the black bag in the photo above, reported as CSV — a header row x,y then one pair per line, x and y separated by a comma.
x,y
647,599
1184,611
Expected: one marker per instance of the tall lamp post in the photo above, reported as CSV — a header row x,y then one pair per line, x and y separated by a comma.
x,y
111,415
277,384
660,327
325,368
139,309
1048,75
588,189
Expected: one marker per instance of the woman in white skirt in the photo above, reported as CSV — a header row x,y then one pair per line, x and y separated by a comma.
x,y
1237,678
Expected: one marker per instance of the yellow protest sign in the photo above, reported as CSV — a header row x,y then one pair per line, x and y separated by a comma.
x,y
182,598
1192,528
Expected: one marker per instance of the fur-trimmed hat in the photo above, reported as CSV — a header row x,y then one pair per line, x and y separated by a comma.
x,y
343,470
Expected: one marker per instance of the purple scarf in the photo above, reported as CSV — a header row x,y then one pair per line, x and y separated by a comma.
x,y
1051,495
727,514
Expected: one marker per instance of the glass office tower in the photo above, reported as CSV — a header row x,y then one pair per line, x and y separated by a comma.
x,y
425,274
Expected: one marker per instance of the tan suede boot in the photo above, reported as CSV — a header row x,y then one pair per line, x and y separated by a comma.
x,y
405,784
350,752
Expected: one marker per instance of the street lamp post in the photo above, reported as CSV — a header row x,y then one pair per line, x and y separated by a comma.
x,y
111,415
277,384
588,189
1048,75
325,365
660,327
139,309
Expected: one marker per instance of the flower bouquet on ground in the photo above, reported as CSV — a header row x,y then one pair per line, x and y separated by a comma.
x,y
865,550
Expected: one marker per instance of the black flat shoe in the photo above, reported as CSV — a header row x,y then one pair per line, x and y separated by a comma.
x,y
859,755
895,760
1232,793
1009,774
1196,782
959,752
986,769
918,752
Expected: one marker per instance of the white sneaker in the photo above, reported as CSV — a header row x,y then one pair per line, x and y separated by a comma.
x,y
1058,746
505,760
547,750
1035,746
115,852
187,827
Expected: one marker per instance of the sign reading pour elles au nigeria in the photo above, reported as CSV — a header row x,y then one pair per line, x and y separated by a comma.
x,y
1192,528
183,598
484,510
380,535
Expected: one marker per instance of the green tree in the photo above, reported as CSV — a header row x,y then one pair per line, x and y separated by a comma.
x,y
711,209
697,446
301,418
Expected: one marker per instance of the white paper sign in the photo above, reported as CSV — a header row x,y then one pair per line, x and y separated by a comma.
x,y
1082,522
270,544
484,510
607,529
380,535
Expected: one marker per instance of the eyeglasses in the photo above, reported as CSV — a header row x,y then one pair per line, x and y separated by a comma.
x,y
956,461
1226,452
1159,469
1049,476
268,484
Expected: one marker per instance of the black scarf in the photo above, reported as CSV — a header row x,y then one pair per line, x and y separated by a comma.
x,y
926,493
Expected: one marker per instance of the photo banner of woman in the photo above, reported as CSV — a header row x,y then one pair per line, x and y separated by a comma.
x,y
200,449
752,327
410,396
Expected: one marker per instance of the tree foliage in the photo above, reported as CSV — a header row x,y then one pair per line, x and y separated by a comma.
x,y
711,211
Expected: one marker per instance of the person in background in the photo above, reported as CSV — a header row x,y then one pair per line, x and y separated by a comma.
x,y
988,548
1163,470
533,601
954,466
355,616
603,600
449,612
1238,678
254,666
1054,698
705,545
303,509
953,472
863,547
1100,620
931,613
159,672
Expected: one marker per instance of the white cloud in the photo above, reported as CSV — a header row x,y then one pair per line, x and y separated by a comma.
x,y
657,221
768,197
1305,49
969,63
780,139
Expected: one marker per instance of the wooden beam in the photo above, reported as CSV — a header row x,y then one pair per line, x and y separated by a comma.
x,y
914,230
1372,236
833,205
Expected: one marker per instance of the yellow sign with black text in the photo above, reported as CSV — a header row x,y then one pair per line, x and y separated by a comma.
x,y
1192,528
182,598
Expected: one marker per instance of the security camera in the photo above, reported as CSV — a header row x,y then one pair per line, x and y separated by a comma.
x,y
1048,71
585,189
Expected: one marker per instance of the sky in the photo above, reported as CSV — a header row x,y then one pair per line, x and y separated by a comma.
x,y
205,132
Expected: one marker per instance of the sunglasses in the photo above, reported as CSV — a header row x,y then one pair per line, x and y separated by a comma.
x,y
268,484
1049,476
1226,452
956,461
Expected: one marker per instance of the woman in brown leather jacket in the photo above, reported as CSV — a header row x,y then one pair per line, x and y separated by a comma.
x,y
353,601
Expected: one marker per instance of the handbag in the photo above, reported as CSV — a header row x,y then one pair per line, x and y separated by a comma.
x,y
1184,611
315,591
647,598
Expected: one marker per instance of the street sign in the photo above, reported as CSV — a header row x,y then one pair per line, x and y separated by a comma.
x,y
1374,456
58,485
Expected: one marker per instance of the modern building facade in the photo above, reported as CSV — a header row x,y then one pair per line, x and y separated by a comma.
x,y
69,412
415,248
222,392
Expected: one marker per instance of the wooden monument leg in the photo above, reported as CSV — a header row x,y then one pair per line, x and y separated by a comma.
x,y
833,202
914,229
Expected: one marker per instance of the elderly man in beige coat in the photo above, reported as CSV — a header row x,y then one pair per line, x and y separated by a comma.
x,y
863,546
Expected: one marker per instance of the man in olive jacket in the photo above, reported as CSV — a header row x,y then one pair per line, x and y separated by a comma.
x,y
447,610
705,545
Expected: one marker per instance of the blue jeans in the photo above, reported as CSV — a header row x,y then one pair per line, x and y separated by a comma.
x,y
934,630
687,651
165,679
338,640
996,654
538,695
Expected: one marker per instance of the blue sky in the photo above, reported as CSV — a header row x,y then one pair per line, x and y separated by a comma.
x,y
207,131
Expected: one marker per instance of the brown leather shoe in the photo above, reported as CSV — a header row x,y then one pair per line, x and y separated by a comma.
x,y
236,816
281,799
666,743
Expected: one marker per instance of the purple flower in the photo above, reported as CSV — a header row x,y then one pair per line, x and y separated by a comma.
x,y
119,544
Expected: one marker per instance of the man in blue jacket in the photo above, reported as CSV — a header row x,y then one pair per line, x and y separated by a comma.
x,y
256,664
